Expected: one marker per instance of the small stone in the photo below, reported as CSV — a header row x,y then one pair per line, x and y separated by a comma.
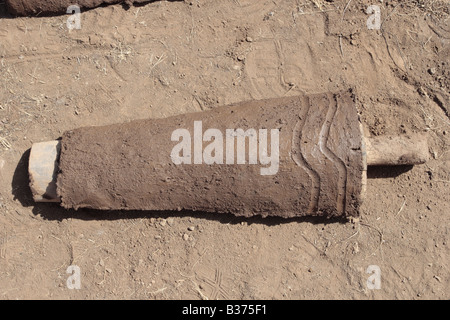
x,y
185,237
249,39
432,71
163,222
191,228
101,262
170,221
241,58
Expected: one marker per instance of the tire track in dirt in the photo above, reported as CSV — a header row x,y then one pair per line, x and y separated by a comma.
x,y
212,281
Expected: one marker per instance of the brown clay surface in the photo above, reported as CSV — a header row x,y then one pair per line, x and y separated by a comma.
x,y
129,166
171,58
42,7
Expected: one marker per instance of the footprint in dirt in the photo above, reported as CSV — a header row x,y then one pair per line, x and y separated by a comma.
x,y
276,67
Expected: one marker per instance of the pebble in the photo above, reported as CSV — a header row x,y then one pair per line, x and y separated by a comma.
x,y
170,221
185,237
191,228
163,222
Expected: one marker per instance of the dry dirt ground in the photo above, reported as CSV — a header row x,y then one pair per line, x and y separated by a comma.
x,y
168,58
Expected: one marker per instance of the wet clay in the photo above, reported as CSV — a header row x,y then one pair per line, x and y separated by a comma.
x,y
129,166
44,7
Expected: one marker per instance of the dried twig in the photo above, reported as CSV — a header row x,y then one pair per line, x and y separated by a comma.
x,y
401,208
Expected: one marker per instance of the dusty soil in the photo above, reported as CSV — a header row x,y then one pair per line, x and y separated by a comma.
x,y
169,58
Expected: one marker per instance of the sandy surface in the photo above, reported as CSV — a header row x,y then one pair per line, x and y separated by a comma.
x,y
169,58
